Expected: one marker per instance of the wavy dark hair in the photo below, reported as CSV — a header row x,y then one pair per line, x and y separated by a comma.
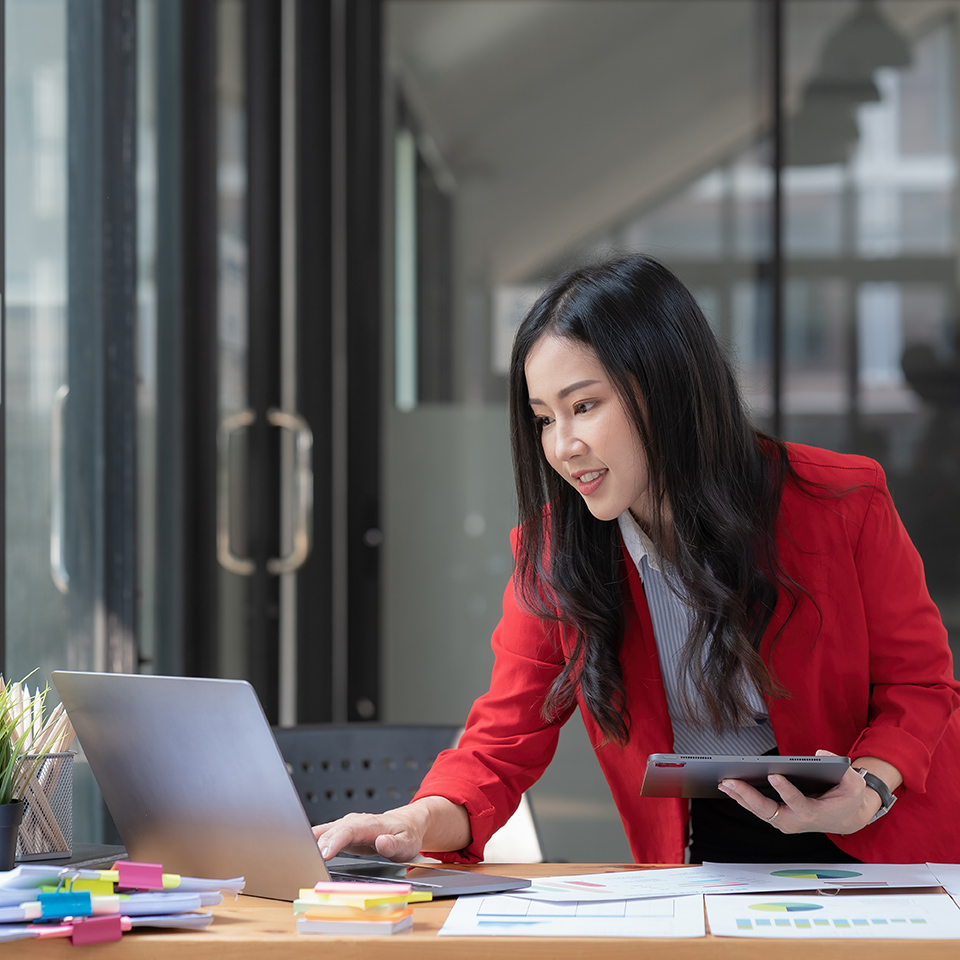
x,y
719,478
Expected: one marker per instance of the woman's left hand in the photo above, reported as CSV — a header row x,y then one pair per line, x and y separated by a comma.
x,y
844,808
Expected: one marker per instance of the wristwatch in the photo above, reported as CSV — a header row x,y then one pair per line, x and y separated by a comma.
x,y
887,799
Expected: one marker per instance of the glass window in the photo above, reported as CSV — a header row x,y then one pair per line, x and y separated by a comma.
x,y
530,136
872,304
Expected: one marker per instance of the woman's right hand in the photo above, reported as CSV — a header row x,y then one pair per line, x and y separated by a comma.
x,y
391,835
432,823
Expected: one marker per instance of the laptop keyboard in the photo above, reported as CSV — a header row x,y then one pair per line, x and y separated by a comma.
x,y
356,878
360,878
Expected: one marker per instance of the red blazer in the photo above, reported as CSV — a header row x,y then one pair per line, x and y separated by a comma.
x,y
864,657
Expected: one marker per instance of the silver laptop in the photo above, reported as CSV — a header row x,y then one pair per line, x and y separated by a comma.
x,y
193,778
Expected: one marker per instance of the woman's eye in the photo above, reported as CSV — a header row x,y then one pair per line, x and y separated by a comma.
x,y
542,422
583,407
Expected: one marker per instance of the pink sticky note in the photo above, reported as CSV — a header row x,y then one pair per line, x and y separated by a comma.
x,y
365,889
46,931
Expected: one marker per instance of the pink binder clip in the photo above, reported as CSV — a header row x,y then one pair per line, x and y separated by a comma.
x,y
103,929
99,929
140,876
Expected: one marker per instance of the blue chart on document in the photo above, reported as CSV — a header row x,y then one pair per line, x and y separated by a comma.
x,y
511,910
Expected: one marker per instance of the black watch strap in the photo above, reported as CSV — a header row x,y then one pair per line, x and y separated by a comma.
x,y
887,798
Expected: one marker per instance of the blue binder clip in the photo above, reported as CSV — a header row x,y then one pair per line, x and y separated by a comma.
x,y
56,906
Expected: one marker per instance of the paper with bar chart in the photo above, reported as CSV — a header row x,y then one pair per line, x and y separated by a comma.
x,y
505,915
846,917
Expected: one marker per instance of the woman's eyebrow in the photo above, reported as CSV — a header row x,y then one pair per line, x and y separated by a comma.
x,y
566,391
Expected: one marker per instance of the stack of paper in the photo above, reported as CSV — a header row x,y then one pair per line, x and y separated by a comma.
x,y
95,906
375,909
782,900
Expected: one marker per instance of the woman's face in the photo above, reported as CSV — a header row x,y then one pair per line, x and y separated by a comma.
x,y
587,435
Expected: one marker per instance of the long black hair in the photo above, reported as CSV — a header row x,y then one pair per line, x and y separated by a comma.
x,y
715,485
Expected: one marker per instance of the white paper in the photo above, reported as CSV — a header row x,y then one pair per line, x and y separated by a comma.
x,y
14,897
27,875
506,915
174,921
637,884
233,885
17,931
931,916
948,876
32,876
155,902
835,876
727,878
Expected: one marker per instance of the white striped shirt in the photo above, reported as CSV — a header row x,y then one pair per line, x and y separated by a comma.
x,y
672,620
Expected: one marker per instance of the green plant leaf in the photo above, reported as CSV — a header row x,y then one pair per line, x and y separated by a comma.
x,y
19,728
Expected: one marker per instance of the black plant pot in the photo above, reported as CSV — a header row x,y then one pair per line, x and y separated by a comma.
x,y
10,816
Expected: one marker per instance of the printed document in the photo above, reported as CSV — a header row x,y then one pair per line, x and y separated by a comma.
x,y
506,915
727,878
932,916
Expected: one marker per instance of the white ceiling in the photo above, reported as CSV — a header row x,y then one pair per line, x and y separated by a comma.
x,y
555,117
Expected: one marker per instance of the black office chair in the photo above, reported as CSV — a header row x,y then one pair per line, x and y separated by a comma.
x,y
362,767
368,768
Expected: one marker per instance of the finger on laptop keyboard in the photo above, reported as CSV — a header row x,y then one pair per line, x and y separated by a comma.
x,y
393,835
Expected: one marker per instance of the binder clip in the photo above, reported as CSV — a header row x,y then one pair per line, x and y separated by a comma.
x,y
99,929
72,881
56,906
139,876
84,930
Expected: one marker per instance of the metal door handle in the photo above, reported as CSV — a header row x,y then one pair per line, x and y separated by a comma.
x,y
225,555
58,570
303,491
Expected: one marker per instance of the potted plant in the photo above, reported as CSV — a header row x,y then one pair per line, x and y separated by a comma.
x,y
25,740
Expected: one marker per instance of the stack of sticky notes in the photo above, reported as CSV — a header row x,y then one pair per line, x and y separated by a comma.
x,y
349,909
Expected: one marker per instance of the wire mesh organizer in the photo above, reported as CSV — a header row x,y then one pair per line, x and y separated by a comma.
x,y
46,830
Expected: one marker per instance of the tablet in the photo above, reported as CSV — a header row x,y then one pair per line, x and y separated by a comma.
x,y
678,775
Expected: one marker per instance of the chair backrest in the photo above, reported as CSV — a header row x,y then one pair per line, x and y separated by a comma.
x,y
359,767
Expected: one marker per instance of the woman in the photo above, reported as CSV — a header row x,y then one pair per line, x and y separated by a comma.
x,y
693,585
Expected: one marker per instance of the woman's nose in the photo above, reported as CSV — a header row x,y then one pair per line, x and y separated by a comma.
x,y
568,444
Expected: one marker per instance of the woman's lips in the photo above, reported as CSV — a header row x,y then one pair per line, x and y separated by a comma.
x,y
589,481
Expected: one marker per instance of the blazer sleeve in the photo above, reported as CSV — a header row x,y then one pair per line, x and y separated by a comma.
x,y
506,744
913,692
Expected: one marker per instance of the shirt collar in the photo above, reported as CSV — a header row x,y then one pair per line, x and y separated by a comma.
x,y
638,544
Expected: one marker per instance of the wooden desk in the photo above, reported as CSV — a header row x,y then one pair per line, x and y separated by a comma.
x,y
252,929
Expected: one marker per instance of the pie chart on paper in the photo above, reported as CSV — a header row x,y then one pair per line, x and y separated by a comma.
x,y
814,874
785,907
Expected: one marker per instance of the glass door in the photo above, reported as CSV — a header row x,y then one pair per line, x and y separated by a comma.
x,y
168,350
43,593
70,330
69,367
